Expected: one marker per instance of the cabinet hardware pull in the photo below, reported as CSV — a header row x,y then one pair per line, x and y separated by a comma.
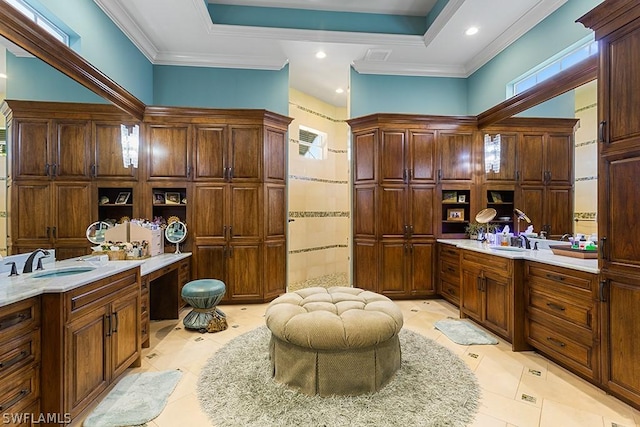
x,y
189,169
601,290
404,176
556,342
53,232
601,126
410,174
478,283
13,360
224,173
555,277
117,321
451,269
54,170
439,175
47,169
15,400
603,240
517,176
230,231
48,232
406,231
230,173
224,231
410,230
555,306
94,170
12,320
108,318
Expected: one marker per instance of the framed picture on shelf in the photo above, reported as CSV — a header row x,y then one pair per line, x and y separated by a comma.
x,y
496,197
449,197
462,198
172,198
455,214
158,199
122,198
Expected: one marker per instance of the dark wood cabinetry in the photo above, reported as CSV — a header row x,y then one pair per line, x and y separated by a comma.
x,y
449,273
617,28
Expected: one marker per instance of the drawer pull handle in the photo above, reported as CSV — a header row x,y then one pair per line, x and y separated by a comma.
x,y
117,322
556,342
13,401
14,360
12,320
555,306
451,269
555,277
108,318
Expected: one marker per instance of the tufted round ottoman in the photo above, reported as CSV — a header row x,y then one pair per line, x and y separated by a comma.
x,y
336,341
203,295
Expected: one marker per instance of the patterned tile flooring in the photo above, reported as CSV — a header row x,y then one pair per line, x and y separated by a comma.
x,y
518,389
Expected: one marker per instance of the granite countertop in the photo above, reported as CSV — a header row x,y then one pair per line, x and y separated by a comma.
x,y
18,288
543,255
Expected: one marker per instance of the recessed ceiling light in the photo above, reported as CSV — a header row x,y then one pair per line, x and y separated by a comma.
x,y
471,31
339,90
321,55
3,76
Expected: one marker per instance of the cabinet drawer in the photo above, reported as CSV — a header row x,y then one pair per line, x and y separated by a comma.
x,y
553,343
19,352
576,311
100,292
144,328
449,252
450,271
560,276
500,265
19,317
19,390
450,291
144,304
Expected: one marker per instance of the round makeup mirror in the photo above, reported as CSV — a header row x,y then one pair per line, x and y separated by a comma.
x,y
176,232
486,215
95,232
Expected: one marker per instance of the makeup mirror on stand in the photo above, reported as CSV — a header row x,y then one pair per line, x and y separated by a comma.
x,y
176,232
485,216
95,232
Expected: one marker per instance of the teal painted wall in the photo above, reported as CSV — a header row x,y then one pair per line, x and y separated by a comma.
x,y
221,88
487,86
562,106
407,94
102,44
30,79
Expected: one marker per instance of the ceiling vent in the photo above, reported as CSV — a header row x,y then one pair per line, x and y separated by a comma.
x,y
377,55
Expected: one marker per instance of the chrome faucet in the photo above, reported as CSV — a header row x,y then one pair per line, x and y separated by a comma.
x,y
28,264
565,236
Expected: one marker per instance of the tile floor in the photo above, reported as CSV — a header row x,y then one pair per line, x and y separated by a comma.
x,y
518,389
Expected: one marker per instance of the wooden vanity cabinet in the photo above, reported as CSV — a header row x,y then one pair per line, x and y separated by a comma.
x,y
90,336
20,355
449,273
562,319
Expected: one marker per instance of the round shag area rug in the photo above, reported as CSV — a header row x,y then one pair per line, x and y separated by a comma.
x,y
432,388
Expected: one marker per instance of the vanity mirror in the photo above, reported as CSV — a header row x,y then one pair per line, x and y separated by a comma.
x,y
95,232
176,232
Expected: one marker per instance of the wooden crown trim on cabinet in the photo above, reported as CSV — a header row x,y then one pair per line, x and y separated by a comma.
x,y
18,29
610,15
169,115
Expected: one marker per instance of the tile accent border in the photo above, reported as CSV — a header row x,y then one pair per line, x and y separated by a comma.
x,y
584,216
326,181
586,107
587,178
319,214
315,113
317,248
582,144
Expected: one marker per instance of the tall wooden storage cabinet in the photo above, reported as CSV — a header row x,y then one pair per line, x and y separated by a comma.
x,y
617,27
233,163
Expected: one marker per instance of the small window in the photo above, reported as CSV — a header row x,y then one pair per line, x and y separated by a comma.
x,y
40,20
312,143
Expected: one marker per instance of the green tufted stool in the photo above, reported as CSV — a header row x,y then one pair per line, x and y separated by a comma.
x,y
203,295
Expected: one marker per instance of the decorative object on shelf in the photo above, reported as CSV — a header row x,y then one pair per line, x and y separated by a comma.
x,y
184,200
124,219
158,199
496,197
176,232
492,153
95,232
104,200
130,141
172,219
449,197
172,198
462,198
123,198
455,214
473,230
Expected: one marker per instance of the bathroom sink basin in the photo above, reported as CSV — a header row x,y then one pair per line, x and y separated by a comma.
x,y
508,249
60,272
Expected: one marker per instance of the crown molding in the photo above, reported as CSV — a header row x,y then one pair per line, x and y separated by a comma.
x,y
408,69
221,61
441,20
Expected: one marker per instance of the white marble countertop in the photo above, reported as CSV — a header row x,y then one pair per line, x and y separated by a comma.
x,y
543,255
18,288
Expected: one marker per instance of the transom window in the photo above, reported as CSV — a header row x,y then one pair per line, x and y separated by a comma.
x,y
40,20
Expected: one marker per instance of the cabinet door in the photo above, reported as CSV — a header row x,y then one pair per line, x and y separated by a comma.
x,y
245,153
392,268
496,303
422,157
245,273
364,156
392,212
31,142
471,293
168,152
559,211
87,370
393,153
364,204
71,213
422,260
210,262
275,211
107,152
210,206
210,152
456,156
275,269
531,166
421,217
72,150
125,342
508,148
559,159
32,214
245,218
531,202
275,156
365,264
621,321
